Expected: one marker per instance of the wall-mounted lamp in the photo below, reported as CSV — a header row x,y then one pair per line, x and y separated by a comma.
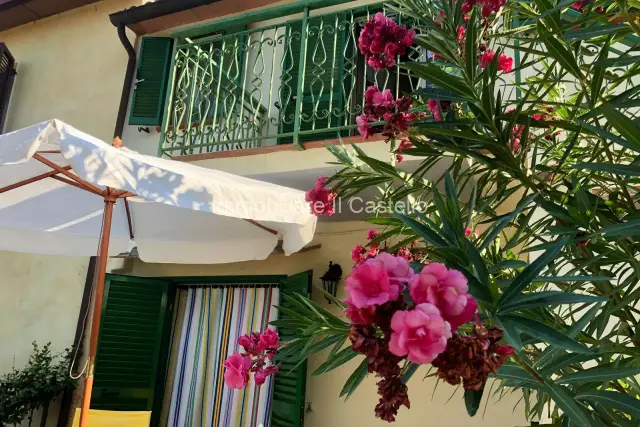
x,y
331,279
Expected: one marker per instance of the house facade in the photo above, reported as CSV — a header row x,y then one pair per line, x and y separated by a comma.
x,y
251,87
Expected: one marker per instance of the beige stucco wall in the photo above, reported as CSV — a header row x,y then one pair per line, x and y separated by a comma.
x,y
337,239
70,66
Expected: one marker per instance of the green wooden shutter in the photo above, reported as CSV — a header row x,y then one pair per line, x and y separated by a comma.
x,y
324,73
131,359
287,406
152,79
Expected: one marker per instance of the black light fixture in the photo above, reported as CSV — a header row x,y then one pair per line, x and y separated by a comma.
x,y
331,279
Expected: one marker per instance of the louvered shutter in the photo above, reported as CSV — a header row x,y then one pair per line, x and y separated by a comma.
x,y
132,347
152,78
7,73
287,406
318,75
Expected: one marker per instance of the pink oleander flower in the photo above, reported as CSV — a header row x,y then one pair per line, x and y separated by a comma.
x,y
447,290
382,40
432,104
359,316
370,93
404,144
320,198
383,99
358,253
486,58
405,253
505,64
268,340
247,342
236,373
369,284
364,127
468,232
461,33
260,377
398,268
372,234
262,373
516,145
437,107
420,334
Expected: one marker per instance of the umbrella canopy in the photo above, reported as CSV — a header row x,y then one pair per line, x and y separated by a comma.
x,y
65,192
176,212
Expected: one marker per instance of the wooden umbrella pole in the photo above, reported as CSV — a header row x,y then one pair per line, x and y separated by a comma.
x,y
103,255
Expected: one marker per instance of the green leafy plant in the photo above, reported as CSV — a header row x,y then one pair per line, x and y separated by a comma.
x,y
544,163
24,391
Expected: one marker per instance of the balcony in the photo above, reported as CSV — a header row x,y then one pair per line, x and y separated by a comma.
x,y
298,80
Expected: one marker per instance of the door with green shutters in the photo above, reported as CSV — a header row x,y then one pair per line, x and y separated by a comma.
x,y
287,408
132,347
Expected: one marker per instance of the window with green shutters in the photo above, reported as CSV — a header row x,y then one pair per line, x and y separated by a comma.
x,y
287,405
152,78
133,343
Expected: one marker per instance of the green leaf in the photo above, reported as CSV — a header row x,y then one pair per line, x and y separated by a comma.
x,y
422,230
355,379
624,125
598,374
471,45
472,400
550,353
545,333
452,204
510,263
598,74
596,31
559,52
625,229
380,166
512,372
630,170
478,263
525,277
502,223
435,75
547,299
409,371
625,403
339,359
563,398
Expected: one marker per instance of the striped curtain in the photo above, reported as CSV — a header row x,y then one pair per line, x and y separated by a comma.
x,y
207,325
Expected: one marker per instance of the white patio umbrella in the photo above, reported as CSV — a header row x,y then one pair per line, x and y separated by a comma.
x,y
65,192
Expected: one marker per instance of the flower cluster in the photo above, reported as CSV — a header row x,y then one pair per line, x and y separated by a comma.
x,y
382,40
381,106
397,315
488,6
505,63
360,253
437,108
405,144
320,198
259,350
470,359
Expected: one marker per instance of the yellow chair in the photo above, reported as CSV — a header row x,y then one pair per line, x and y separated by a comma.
x,y
99,418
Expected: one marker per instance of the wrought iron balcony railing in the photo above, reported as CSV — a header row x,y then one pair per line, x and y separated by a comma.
x,y
292,82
